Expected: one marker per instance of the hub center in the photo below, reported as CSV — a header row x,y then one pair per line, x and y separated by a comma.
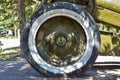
x,y
61,41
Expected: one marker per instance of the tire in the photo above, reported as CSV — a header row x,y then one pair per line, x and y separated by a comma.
x,y
61,39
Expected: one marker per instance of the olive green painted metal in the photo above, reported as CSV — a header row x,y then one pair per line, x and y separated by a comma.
x,y
110,44
113,5
108,11
108,16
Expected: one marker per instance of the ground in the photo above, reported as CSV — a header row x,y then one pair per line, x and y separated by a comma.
x,y
17,68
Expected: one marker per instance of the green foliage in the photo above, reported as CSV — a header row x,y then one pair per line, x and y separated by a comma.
x,y
7,54
9,12
30,8
107,27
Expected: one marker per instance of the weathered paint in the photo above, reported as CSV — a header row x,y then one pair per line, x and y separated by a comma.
x,y
108,16
113,5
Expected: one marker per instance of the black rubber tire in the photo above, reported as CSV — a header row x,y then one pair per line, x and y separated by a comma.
x,y
85,18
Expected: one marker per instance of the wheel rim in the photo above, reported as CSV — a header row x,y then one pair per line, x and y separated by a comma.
x,y
62,41
33,41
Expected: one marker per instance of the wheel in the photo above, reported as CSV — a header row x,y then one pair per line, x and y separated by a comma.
x,y
61,39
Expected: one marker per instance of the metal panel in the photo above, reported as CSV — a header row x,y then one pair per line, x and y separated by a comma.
x,y
108,16
109,4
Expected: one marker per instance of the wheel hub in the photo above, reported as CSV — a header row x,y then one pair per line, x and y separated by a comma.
x,y
61,41
60,44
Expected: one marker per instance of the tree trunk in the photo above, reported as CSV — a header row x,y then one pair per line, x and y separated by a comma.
x,y
21,16
21,13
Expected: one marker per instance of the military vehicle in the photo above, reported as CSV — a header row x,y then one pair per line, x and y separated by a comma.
x,y
63,37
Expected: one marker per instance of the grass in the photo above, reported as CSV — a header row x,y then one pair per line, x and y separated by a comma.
x,y
1,50
6,54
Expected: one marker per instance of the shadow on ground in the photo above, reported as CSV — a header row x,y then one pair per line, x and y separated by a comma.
x,y
14,70
21,70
